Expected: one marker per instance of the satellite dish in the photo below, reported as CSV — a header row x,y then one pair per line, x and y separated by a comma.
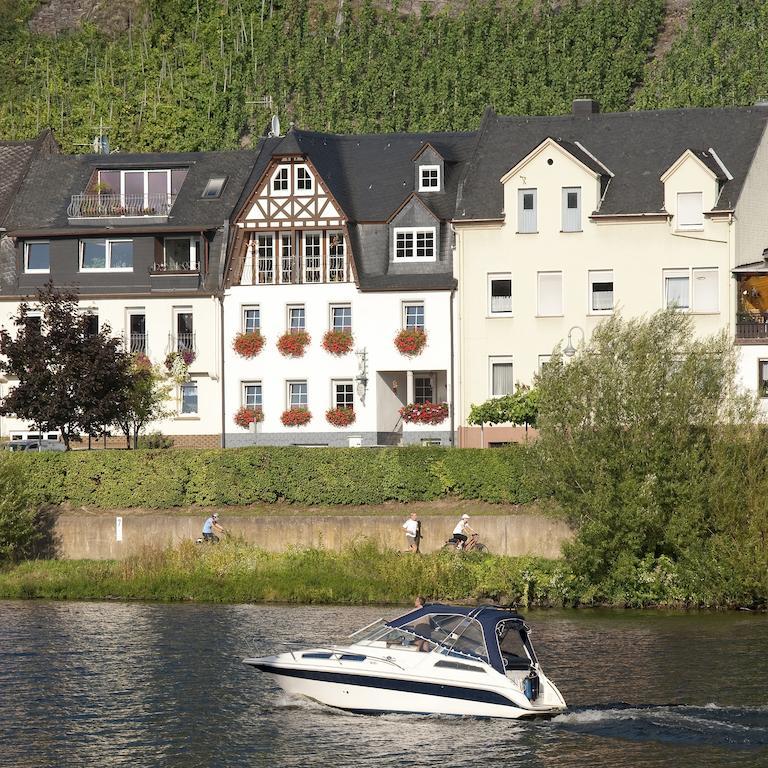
x,y
274,128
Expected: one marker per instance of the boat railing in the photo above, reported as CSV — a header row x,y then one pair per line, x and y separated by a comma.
x,y
334,649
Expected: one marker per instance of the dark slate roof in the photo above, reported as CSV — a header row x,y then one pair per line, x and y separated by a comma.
x,y
438,281
43,198
636,146
15,157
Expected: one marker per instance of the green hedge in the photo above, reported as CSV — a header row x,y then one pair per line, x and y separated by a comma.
x,y
158,479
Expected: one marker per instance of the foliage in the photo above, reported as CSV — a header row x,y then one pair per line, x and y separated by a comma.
x,y
424,413
155,440
246,416
411,341
18,529
632,433
296,417
180,478
518,408
248,344
189,76
292,344
338,342
177,364
146,399
340,417
69,379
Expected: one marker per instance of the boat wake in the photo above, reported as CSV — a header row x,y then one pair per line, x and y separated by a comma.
x,y
711,724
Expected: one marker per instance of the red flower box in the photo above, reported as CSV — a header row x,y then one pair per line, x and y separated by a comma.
x,y
410,341
246,416
338,342
292,344
425,413
248,344
296,417
340,417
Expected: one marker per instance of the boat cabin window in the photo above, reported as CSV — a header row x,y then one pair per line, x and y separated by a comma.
x,y
459,634
512,644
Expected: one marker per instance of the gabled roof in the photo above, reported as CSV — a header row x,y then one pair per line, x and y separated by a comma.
x,y
637,147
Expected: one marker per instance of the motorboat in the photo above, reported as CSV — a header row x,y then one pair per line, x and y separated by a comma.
x,y
436,659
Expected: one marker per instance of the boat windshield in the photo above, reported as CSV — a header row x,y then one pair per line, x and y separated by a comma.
x,y
416,635
460,635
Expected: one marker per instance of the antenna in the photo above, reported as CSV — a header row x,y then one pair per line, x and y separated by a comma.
x,y
274,126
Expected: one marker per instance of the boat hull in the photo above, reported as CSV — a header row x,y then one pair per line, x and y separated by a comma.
x,y
371,694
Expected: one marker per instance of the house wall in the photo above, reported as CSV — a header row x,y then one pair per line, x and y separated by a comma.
x,y
636,251
377,317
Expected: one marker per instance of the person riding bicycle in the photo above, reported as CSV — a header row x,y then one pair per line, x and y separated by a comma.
x,y
209,526
459,534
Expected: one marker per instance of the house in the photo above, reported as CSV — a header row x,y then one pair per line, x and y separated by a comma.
x,y
560,221
346,238
143,239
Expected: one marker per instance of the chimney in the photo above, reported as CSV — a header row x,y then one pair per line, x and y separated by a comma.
x,y
585,106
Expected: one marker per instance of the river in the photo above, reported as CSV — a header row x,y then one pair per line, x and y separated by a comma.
x,y
133,684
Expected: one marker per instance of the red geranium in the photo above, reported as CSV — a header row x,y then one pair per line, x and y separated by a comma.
x,y
338,342
248,344
296,417
292,344
425,413
246,416
410,341
340,417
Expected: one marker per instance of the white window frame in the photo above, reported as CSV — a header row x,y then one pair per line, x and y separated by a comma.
x,y
493,276
407,304
675,274
318,269
576,225
539,312
331,307
689,226
762,365
249,308
599,276
342,382
132,312
188,414
544,360
414,232
244,397
288,309
269,243
432,385
499,360
429,187
194,251
108,241
334,275
29,271
288,400
299,190
523,225
213,187
277,176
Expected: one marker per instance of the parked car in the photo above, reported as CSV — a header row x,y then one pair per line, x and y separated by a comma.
x,y
34,445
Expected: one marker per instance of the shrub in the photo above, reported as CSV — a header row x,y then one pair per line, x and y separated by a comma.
x,y
293,344
155,441
296,417
338,342
246,416
248,344
410,341
425,413
340,417
18,530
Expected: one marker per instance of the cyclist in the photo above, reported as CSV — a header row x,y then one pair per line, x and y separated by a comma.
x,y
209,526
459,534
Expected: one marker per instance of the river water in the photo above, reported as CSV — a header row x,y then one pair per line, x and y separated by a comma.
x,y
131,684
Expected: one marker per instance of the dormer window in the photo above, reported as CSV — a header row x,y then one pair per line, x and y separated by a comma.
x,y
690,210
214,187
303,179
280,180
415,244
429,178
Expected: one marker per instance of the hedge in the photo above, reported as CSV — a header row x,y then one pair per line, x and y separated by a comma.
x,y
160,479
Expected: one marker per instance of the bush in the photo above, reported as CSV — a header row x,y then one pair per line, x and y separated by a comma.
x,y
18,530
161,479
155,440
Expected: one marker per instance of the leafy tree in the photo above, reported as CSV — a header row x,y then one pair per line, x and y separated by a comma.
x,y
632,432
147,395
69,379
18,530
521,407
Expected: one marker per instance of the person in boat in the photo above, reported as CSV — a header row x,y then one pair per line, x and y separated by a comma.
x,y
460,531
412,527
211,525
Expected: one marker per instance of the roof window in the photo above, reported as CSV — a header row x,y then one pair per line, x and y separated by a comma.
x,y
213,187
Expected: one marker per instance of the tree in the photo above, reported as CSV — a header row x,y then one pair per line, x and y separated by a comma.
x,y
69,378
148,393
518,408
631,433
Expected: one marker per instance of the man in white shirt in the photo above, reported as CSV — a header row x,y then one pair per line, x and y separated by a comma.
x,y
459,532
412,529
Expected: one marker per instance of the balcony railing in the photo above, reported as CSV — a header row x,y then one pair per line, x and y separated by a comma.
x,y
108,206
182,342
137,343
752,325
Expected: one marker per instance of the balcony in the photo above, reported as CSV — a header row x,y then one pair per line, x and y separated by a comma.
x,y
136,343
115,208
752,327
182,342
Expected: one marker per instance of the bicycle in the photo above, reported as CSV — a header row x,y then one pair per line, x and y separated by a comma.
x,y
473,543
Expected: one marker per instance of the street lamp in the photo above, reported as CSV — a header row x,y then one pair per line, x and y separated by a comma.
x,y
570,350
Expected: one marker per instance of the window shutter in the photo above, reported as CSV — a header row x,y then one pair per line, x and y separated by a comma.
x,y
705,290
550,293
571,209
690,209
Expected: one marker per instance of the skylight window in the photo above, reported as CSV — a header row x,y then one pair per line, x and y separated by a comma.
x,y
214,186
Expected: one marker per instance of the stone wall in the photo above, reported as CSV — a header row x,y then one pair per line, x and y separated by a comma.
x,y
93,535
